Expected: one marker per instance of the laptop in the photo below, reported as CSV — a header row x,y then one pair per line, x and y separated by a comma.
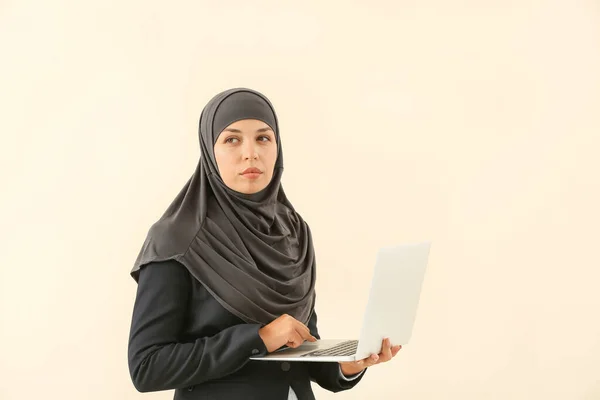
x,y
390,312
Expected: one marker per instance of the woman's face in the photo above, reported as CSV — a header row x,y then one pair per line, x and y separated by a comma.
x,y
246,152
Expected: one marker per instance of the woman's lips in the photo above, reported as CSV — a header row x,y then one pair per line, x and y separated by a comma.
x,y
251,173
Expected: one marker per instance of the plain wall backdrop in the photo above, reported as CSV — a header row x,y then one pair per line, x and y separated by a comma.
x,y
474,124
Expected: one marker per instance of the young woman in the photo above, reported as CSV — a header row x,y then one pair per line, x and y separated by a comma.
x,y
228,272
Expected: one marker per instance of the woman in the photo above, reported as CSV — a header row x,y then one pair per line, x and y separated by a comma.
x,y
228,272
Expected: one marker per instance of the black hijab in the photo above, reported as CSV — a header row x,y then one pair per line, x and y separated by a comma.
x,y
252,252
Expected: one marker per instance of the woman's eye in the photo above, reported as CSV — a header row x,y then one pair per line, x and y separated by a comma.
x,y
264,138
230,140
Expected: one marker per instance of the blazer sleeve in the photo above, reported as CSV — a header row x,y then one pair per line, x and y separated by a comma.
x,y
158,360
328,375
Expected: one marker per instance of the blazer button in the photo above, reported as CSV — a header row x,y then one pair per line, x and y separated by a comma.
x,y
255,351
285,366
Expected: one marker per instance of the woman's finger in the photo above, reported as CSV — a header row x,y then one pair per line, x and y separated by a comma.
x,y
396,350
295,340
386,351
373,359
304,331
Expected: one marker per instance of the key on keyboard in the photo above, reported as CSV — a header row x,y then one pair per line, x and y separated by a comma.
x,y
346,348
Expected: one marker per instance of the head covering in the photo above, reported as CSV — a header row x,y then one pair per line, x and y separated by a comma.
x,y
252,252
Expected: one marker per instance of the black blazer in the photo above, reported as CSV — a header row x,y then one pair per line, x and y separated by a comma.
x,y
181,338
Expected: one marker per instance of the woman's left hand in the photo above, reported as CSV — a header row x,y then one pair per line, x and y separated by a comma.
x,y
387,353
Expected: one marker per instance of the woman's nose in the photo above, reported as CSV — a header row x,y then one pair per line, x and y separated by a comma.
x,y
250,152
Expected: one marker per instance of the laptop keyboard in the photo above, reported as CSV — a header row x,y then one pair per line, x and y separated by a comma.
x,y
346,348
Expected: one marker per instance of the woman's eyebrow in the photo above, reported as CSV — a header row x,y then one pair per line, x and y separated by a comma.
x,y
233,130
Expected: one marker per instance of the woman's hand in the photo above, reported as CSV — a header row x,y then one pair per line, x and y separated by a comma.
x,y
387,353
285,330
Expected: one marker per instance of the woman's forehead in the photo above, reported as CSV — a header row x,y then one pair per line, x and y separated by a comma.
x,y
248,124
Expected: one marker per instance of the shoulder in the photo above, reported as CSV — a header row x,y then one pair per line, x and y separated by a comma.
x,y
161,273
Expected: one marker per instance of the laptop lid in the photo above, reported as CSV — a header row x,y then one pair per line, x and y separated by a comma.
x,y
394,296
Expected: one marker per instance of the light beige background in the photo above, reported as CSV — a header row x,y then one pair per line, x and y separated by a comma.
x,y
474,124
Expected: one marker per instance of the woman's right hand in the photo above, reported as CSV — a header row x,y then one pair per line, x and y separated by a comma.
x,y
285,330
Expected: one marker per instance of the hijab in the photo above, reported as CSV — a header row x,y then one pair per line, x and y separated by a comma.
x,y
252,252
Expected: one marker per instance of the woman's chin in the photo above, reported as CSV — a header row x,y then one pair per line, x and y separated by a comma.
x,y
250,188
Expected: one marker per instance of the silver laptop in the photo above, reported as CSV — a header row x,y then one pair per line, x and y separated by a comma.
x,y
390,312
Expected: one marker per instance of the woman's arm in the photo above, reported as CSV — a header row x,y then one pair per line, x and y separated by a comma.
x,y
158,360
